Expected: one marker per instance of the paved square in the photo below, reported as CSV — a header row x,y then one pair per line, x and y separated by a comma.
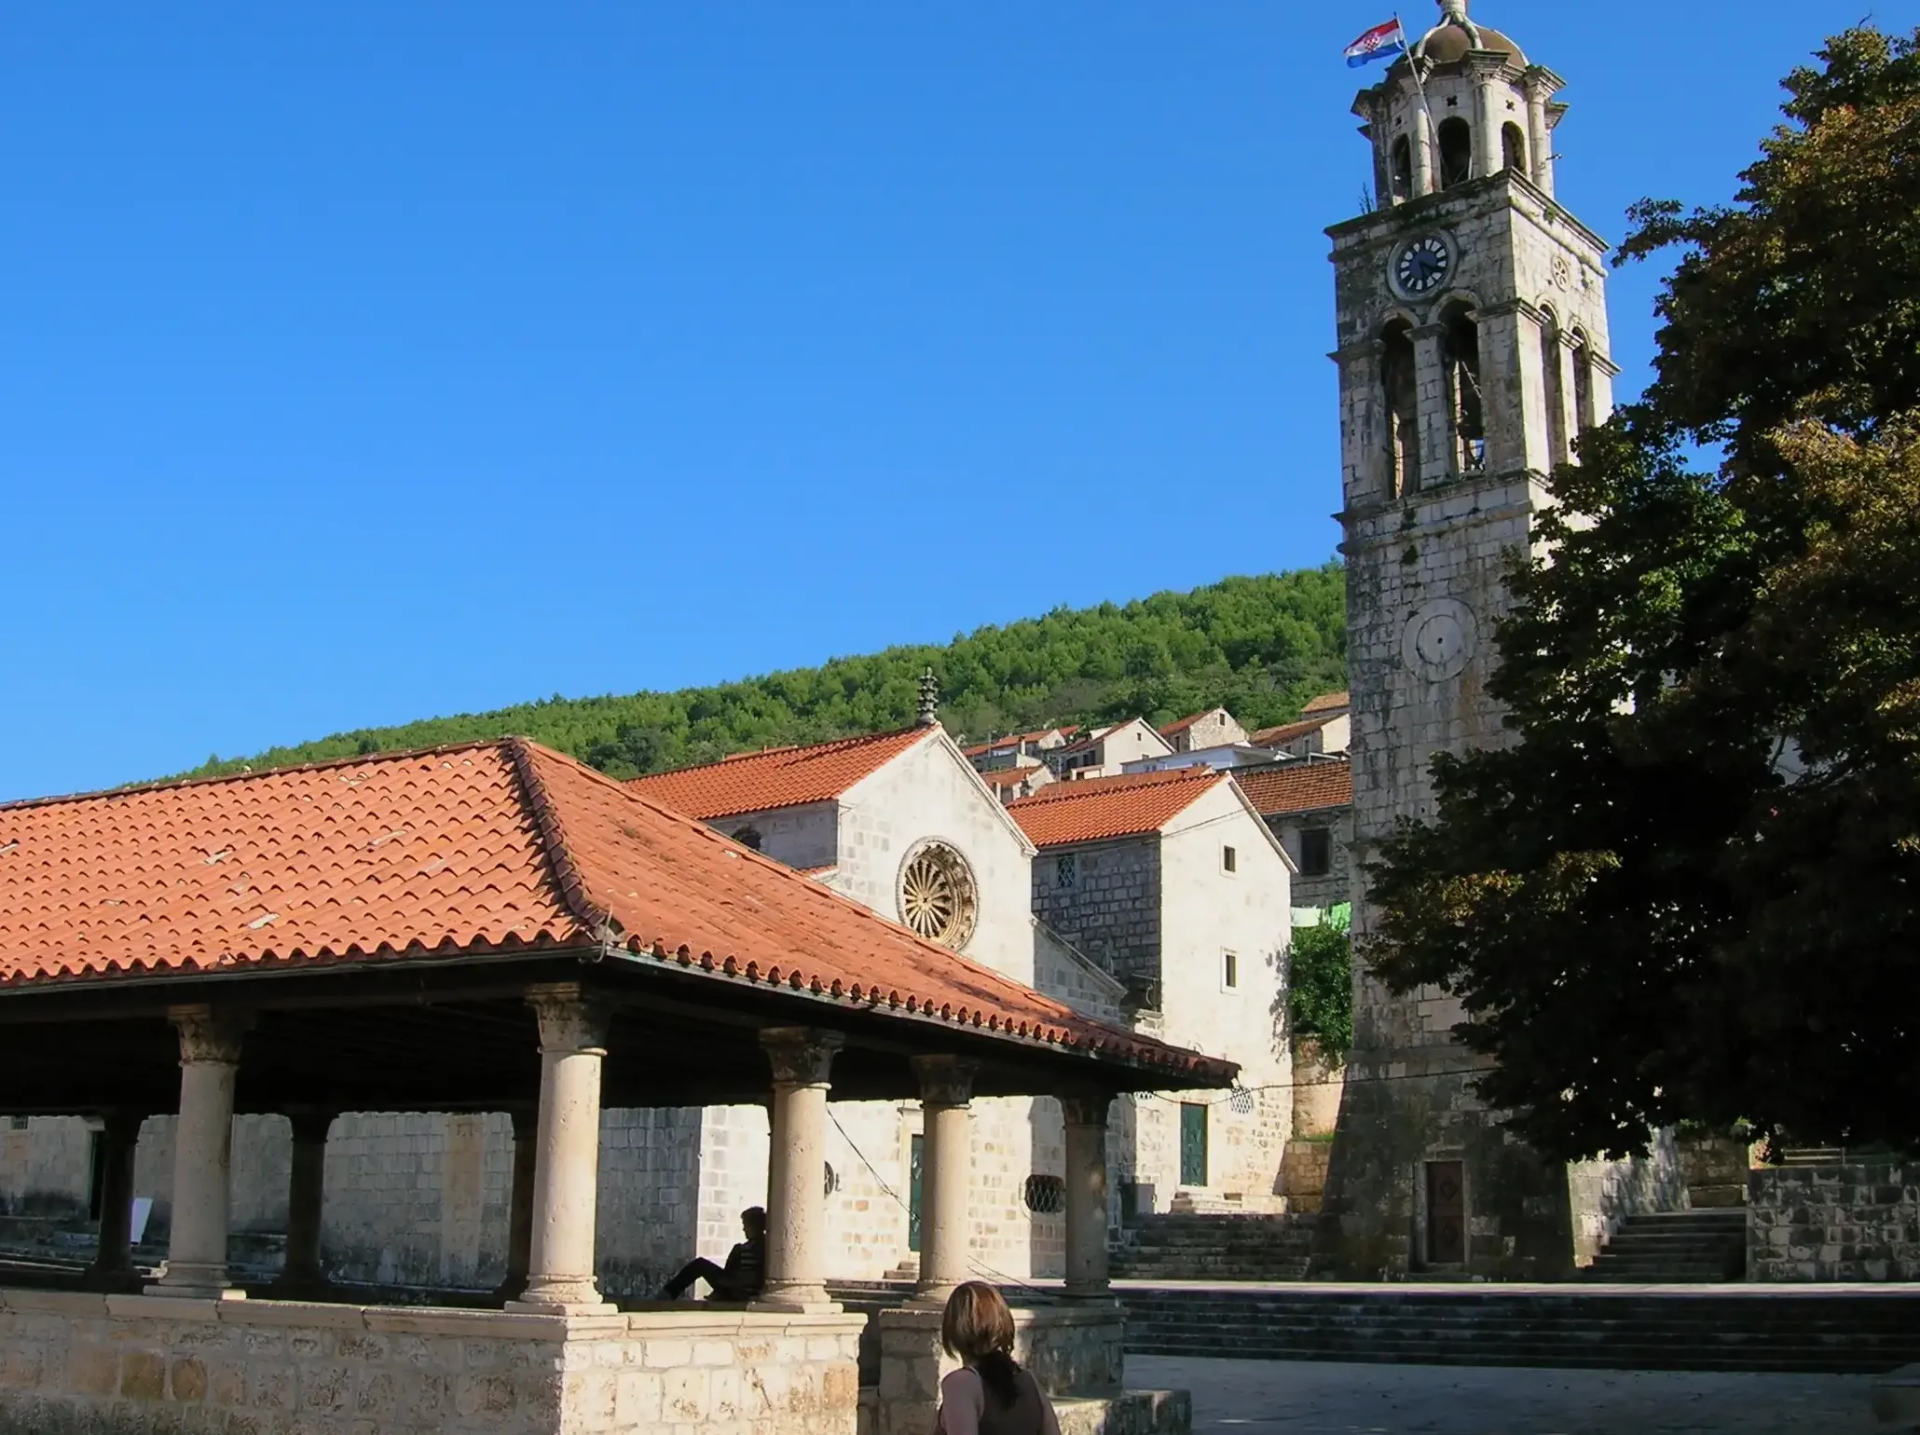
x,y
1279,1397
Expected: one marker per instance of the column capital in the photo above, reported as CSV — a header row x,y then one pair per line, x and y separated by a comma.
x,y
945,1080
1083,1108
570,1019
210,1034
801,1055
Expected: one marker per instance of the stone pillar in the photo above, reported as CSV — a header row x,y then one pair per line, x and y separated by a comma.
x,y
946,1174
306,1195
1086,1126
1539,136
802,1059
1439,449
202,1153
113,1261
1489,152
566,1165
520,1204
1423,180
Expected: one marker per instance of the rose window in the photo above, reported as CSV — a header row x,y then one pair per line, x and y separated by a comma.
x,y
937,896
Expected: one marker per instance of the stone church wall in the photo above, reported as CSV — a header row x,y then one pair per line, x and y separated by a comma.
x,y
1104,898
1859,1221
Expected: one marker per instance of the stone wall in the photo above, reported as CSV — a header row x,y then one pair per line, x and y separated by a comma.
x,y
804,838
1104,898
1072,1350
1854,1222
127,1365
1333,886
1602,1194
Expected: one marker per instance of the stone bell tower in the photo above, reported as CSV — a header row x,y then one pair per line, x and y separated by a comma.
x,y
1472,350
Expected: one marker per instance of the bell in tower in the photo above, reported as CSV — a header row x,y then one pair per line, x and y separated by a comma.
x,y
1472,341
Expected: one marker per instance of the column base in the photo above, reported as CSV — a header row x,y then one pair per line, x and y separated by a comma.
x,y
797,1300
561,1297
933,1296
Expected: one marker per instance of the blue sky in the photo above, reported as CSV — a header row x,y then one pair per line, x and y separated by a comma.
x,y
366,362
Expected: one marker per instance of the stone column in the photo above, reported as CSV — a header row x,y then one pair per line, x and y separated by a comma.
x,y
520,1205
1489,150
566,1165
1423,180
1539,135
946,1174
202,1153
1086,1123
113,1261
306,1195
1439,449
802,1058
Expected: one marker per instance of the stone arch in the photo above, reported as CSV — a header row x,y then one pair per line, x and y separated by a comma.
x,y
1466,407
1456,152
1584,414
1400,168
1553,380
1513,147
1400,406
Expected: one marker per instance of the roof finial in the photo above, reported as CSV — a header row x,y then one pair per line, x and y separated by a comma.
x,y
929,713
1452,12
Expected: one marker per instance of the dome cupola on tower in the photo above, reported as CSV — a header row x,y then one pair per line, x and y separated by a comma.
x,y
1464,103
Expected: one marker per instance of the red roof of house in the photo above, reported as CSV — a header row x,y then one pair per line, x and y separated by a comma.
x,y
1013,739
1180,725
467,849
1327,702
778,777
1009,776
1097,808
1287,732
1297,786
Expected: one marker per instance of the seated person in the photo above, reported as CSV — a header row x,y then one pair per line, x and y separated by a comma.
x,y
741,1277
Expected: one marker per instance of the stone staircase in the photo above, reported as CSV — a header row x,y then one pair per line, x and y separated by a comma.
x,y
1757,1329
1675,1247
1193,1247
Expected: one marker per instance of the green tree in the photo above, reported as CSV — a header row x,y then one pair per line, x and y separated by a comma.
x,y
1320,987
1689,891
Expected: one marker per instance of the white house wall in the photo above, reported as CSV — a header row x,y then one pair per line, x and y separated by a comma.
x,y
1206,913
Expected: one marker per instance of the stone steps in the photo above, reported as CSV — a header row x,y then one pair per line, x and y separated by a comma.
x,y
1675,1247
1215,1247
1849,1332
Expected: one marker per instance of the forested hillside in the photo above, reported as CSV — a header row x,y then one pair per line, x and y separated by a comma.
x,y
1261,646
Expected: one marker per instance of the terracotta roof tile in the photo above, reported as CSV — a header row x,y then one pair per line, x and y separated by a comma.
x,y
1098,808
1287,732
1180,725
1297,786
779,777
469,849
1327,702
1009,776
981,749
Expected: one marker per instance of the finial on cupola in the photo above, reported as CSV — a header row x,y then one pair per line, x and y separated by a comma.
x,y
929,713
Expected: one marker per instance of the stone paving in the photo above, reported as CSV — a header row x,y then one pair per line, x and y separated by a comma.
x,y
1276,1397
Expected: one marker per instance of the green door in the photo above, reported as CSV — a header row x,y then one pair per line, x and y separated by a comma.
x,y
1193,1145
913,1193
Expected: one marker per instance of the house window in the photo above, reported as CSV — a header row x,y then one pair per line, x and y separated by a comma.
x,y
1066,869
1316,851
748,837
1229,970
1229,860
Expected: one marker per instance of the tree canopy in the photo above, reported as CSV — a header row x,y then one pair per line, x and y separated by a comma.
x,y
1261,646
1689,891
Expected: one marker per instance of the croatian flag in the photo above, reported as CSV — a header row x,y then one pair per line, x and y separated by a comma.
x,y
1382,42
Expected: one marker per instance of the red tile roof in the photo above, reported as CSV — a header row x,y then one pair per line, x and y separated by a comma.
x,y
980,749
1098,808
1009,776
1287,732
1180,725
778,777
1327,702
1297,786
467,849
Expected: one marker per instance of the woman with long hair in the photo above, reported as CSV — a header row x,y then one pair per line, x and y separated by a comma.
x,y
988,1394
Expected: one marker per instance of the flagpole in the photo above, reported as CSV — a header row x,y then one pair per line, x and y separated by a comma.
x,y
1432,141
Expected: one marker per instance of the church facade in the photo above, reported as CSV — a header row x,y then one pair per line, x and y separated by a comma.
x,y
1472,332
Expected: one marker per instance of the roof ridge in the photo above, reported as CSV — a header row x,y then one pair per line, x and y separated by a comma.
x,y
750,753
1085,787
170,784
574,891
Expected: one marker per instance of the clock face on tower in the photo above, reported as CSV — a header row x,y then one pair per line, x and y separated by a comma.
x,y
1422,265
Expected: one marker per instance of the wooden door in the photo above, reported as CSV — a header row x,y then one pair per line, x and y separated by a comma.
x,y
1446,1213
1193,1144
